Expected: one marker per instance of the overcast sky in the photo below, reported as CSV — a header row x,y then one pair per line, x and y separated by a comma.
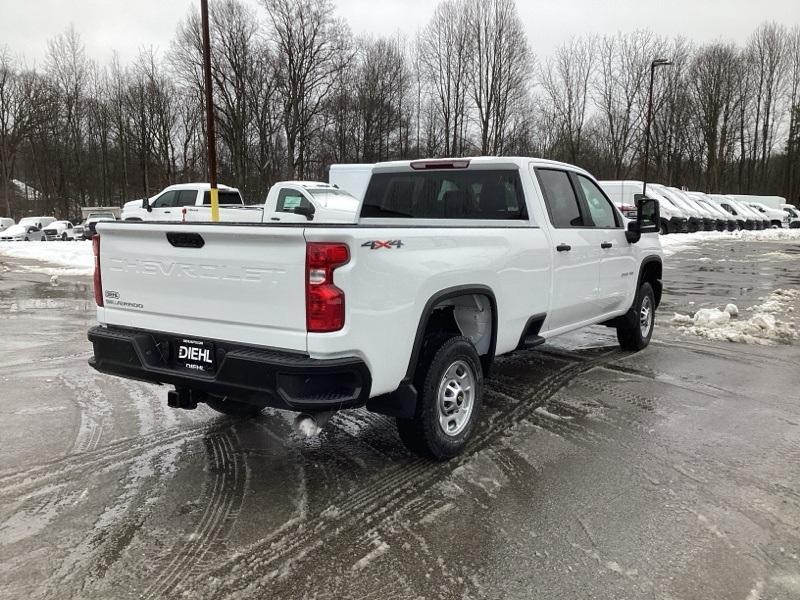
x,y
127,25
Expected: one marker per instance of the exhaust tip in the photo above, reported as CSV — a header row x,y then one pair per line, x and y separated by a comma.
x,y
306,426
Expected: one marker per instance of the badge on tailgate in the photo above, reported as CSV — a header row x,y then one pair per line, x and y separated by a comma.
x,y
196,355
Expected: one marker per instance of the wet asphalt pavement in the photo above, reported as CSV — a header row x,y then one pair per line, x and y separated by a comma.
x,y
673,473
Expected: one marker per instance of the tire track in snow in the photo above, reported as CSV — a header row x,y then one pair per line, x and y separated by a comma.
x,y
225,496
384,493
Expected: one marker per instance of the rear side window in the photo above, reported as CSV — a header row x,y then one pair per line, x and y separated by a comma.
x,y
222,198
457,194
186,198
560,198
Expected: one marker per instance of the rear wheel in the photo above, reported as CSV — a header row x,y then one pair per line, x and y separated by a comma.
x,y
636,327
233,408
449,385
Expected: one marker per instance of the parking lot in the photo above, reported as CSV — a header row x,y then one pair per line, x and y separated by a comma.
x,y
671,473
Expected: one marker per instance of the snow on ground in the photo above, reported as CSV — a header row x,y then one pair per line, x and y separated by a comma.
x,y
675,242
764,326
60,258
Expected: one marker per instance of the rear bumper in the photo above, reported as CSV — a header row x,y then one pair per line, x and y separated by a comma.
x,y
255,375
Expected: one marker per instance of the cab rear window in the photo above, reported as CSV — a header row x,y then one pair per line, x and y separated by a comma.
x,y
446,194
223,198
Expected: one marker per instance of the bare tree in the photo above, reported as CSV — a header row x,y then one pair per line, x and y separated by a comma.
x,y
714,77
498,68
22,108
621,93
308,40
565,81
444,57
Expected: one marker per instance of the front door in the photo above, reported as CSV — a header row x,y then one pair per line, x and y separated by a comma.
x,y
617,263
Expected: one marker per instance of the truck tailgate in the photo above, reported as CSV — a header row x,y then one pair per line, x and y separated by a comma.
x,y
243,284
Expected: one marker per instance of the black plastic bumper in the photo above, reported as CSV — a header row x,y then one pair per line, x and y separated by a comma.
x,y
254,375
678,225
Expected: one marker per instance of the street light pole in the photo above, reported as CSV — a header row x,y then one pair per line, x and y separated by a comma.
x,y
210,133
658,62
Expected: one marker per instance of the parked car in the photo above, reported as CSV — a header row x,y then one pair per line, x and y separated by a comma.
x,y
794,215
38,222
22,233
187,202
59,230
777,217
5,223
451,262
87,230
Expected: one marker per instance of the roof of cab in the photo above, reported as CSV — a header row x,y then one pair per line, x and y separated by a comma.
x,y
198,186
519,161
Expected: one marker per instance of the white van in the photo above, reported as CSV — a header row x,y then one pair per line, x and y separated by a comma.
x,y
353,179
794,215
622,193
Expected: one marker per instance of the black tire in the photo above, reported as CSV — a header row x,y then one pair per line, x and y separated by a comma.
x,y
63,237
233,408
424,434
663,228
631,333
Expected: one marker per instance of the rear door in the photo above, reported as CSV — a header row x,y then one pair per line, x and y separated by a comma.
x,y
576,260
617,262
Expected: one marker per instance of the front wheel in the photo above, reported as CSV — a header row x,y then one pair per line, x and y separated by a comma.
x,y
450,388
233,408
63,237
663,228
636,326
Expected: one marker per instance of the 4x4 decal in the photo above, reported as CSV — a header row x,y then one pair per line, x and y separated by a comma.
x,y
378,244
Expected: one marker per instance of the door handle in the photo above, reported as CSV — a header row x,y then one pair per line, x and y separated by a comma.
x,y
606,245
563,247
275,219
166,212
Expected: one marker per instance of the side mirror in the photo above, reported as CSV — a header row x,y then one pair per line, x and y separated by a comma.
x,y
647,218
306,210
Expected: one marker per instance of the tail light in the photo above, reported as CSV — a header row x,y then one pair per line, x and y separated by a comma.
x,y
324,301
98,284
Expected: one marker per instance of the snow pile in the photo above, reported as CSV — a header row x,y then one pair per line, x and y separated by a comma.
x,y
763,327
675,242
71,258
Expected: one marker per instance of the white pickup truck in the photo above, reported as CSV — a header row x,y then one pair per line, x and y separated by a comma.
x,y
287,201
451,263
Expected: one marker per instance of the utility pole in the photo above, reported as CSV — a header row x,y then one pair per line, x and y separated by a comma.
x,y
658,62
210,133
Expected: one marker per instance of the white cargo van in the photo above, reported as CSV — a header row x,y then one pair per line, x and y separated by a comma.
x,y
353,179
622,194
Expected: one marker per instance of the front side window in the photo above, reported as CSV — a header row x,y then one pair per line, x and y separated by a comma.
x,y
166,200
602,212
492,194
560,198
289,200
